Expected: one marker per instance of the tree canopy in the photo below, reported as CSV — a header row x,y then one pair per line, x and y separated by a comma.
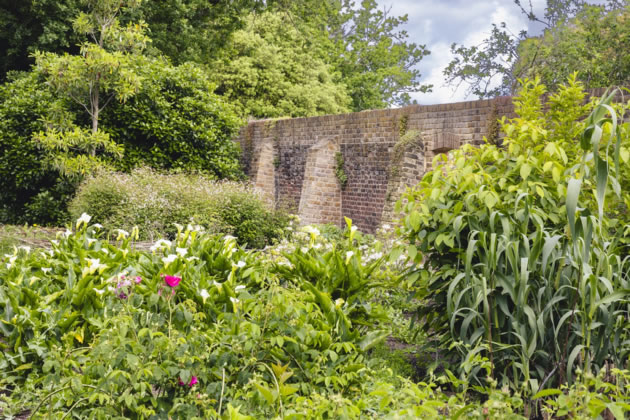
x,y
269,70
577,36
361,44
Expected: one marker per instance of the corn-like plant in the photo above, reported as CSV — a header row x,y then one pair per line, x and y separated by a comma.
x,y
525,258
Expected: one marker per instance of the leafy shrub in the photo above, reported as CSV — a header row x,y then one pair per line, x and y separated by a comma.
x,y
339,275
200,328
521,242
157,202
174,122
27,184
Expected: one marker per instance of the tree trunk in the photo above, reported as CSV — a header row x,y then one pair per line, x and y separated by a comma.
x,y
95,110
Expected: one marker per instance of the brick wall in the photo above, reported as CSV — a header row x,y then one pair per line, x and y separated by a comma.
x,y
301,150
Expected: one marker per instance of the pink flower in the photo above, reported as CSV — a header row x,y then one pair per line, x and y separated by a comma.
x,y
138,279
172,281
193,381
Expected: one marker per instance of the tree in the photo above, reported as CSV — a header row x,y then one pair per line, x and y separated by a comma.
x,y
105,69
494,67
27,26
270,70
372,53
183,30
361,42
30,190
595,43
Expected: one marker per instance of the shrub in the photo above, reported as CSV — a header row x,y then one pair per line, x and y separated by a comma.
x,y
201,328
26,182
174,122
521,243
156,202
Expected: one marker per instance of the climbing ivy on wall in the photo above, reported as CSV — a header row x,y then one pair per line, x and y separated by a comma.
x,y
339,171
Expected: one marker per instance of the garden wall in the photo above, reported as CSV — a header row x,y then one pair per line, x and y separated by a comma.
x,y
302,162
296,161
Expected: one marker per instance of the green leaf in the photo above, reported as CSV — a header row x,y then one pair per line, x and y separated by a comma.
x,y
414,220
546,392
412,251
526,169
573,192
266,393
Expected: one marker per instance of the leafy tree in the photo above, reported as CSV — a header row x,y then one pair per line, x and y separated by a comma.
x,y
487,69
371,52
173,123
361,42
183,30
30,191
106,68
270,70
595,44
27,26
494,67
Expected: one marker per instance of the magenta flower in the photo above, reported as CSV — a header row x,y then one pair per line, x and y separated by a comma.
x,y
172,281
138,279
193,381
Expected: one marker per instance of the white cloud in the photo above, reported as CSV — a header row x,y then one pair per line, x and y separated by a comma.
x,y
438,24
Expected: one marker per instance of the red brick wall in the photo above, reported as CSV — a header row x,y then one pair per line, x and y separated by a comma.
x,y
366,141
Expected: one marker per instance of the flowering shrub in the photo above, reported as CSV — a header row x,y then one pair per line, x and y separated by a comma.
x,y
156,202
101,330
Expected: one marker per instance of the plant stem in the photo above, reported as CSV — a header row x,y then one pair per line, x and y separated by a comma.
x,y
73,405
222,389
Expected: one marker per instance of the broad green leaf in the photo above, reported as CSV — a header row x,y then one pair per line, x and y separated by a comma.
x,y
526,169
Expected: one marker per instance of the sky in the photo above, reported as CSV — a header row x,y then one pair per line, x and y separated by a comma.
x,y
439,23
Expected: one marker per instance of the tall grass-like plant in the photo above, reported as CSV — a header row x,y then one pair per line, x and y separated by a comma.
x,y
525,260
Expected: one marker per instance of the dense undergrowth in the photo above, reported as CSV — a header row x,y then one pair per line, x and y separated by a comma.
x,y
522,249
201,328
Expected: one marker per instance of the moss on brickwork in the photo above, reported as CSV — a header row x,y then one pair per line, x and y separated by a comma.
x,y
339,171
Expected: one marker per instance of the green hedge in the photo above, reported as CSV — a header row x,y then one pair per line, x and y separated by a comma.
x,y
155,202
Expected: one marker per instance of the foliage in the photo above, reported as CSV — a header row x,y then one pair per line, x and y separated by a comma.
x,y
517,268
200,328
157,202
357,43
271,71
175,122
27,184
134,337
494,67
340,277
594,43
487,69
28,26
371,52
339,171
591,396
105,69
202,27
